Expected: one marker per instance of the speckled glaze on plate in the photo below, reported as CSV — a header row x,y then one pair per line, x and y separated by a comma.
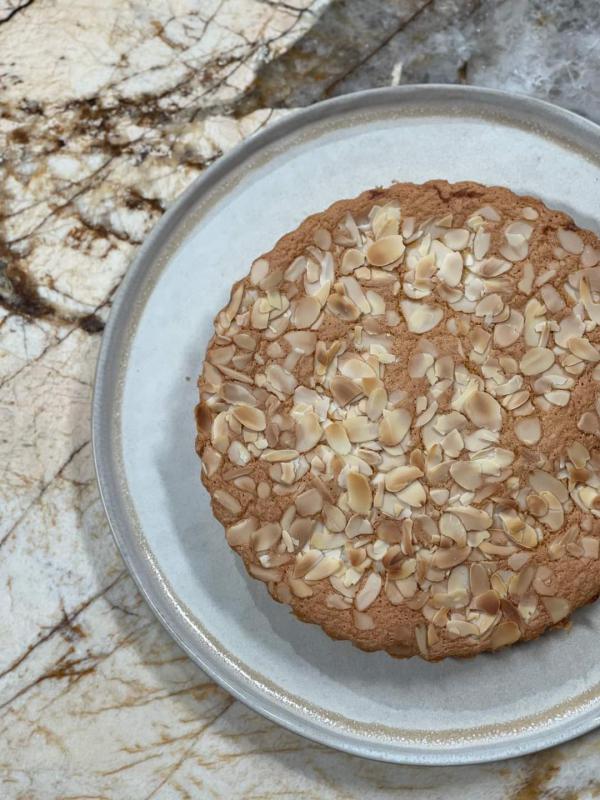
x,y
491,707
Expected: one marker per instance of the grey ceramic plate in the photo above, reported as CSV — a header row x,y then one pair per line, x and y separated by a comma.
x,y
490,707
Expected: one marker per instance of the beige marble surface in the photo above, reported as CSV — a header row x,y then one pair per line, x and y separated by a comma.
x,y
108,111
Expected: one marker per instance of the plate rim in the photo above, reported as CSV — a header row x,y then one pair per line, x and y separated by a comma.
x,y
117,338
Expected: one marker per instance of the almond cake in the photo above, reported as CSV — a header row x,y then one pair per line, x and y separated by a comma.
x,y
398,422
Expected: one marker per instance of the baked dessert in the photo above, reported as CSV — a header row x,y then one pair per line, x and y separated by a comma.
x,y
399,423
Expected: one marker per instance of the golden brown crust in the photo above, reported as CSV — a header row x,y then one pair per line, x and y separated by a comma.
x,y
573,571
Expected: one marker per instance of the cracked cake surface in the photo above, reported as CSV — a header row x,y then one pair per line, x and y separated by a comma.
x,y
398,419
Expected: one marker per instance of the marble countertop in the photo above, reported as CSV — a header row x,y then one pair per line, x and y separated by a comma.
x,y
107,112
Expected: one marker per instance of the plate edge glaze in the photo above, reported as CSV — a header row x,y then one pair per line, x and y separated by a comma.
x,y
377,742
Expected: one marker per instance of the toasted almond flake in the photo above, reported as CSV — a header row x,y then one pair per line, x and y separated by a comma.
x,y
504,634
305,313
308,432
238,535
478,579
591,547
584,349
344,390
305,562
334,518
394,426
360,497
483,410
265,537
277,456
385,250
414,495
264,573
474,519
450,272
376,403
337,438
421,317
588,422
326,567
557,607
227,500
555,516
309,502
448,557
400,477
467,474
528,430
542,481
570,241
390,531
488,602
362,621
536,505
343,308
451,526
456,239
419,363
360,429
351,260
536,360
481,243
367,595
249,417
299,588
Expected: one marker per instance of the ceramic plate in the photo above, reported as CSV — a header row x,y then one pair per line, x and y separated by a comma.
x,y
490,707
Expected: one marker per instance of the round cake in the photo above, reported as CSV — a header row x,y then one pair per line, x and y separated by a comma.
x,y
398,419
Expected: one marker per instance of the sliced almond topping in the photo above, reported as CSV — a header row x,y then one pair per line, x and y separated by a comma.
x,y
369,592
528,430
360,429
557,607
467,474
390,531
385,250
448,557
344,390
555,516
506,633
376,403
400,477
474,519
351,260
570,241
266,537
488,602
421,317
362,621
323,569
394,426
337,438
305,313
544,482
536,360
309,502
483,411
343,308
451,269
308,432
360,497
414,495
582,348
249,417
479,579
419,363
588,423
238,535
536,505
227,500
456,239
